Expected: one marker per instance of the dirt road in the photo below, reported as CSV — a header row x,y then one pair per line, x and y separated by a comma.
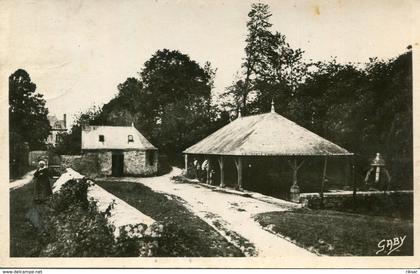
x,y
232,215
26,179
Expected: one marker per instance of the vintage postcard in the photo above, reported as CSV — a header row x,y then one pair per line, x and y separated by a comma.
x,y
209,134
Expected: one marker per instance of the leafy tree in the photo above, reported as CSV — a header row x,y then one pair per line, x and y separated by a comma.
x,y
170,103
259,45
71,142
28,122
271,68
177,91
366,110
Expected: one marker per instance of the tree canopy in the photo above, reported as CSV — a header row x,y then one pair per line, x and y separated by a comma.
x,y
366,108
170,102
27,111
71,142
28,123
271,69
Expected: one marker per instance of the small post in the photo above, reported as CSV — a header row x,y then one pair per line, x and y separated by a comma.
x,y
238,163
388,182
222,172
324,174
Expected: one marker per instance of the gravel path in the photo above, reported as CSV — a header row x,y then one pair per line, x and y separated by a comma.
x,y
26,179
231,215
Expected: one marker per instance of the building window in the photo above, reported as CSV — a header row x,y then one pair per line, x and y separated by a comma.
x,y
130,138
58,139
150,155
101,138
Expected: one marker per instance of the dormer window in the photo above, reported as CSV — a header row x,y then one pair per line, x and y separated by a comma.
x,y
101,138
130,138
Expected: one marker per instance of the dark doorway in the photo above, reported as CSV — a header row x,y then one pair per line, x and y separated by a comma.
x,y
117,163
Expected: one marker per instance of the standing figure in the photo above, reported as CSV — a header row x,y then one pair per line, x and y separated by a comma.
x,y
211,177
204,167
196,168
42,187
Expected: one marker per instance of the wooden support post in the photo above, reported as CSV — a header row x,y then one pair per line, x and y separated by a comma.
x,y
295,170
222,172
294,189
186,163
354,180
347,173
208,170
324,175
238,163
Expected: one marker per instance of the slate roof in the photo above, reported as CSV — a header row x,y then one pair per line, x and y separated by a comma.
x,y
55,123
268,134
115,137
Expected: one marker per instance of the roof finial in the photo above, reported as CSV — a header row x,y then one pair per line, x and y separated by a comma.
x,y
239,113
272,106
132,124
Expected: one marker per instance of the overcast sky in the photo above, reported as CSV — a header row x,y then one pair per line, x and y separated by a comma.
x,y
77,52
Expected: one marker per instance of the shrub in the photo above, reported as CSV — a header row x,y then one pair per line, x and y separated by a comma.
x,y
73,192
129,242
74,227
78,232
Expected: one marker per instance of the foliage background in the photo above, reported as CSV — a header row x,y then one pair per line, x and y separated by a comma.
x,y
365,108
29,126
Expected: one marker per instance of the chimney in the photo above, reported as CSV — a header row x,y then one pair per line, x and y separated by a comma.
x,y
84,124
65,120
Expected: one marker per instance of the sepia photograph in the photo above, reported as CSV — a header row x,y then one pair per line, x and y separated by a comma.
x,y
236,130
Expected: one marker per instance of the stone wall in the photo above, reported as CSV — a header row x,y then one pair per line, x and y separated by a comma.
x,y
86,163
392,203
71,161
104,162
35,156
136,163
152,169
99,163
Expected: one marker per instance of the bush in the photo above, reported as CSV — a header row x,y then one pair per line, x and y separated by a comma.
x,y
78,232
73,192
74,227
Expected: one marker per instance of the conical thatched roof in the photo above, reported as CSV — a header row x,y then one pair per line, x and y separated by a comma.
x,y
267,134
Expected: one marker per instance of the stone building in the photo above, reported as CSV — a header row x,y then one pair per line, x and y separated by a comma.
x,y
118,151
57,127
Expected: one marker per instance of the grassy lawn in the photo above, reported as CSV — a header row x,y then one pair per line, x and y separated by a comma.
x,y
187,234
23,236
337,233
